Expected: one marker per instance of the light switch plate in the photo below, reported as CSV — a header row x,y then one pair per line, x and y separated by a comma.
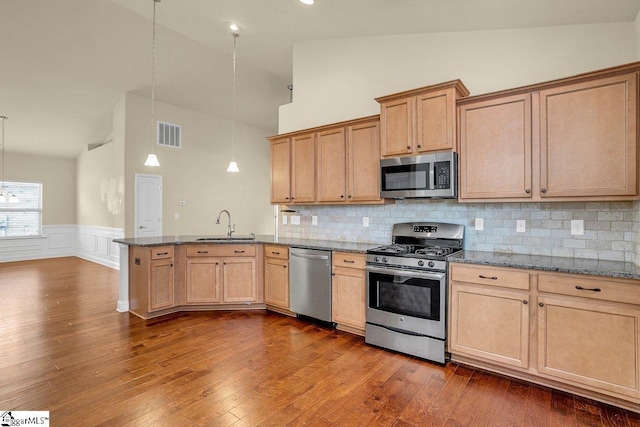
x,y
295,219
365,221
314,219
577,227
479,223
521,226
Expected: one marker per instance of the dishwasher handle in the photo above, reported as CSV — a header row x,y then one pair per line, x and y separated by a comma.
x,y
308,256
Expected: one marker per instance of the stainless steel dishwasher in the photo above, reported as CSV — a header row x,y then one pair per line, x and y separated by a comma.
x,y
310,283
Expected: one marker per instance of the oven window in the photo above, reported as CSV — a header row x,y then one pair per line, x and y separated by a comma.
x,y
406,296
406,177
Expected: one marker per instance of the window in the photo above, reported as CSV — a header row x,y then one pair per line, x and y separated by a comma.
x,y
23,217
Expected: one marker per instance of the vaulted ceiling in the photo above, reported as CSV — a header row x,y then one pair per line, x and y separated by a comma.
x,y
64,64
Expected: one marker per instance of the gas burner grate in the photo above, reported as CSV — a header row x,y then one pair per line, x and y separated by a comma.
x,y
396,249
434,251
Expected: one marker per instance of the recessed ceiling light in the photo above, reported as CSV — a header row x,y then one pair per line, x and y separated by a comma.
x,y
233,26
306,1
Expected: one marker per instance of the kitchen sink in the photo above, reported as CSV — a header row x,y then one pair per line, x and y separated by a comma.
x,y
226,238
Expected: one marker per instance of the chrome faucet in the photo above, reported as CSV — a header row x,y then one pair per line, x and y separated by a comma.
x,y
230,229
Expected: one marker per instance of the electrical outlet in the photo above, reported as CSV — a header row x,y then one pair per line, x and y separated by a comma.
x,y
314,219
577,227
284,220
176,215
479,223
521,226
365,221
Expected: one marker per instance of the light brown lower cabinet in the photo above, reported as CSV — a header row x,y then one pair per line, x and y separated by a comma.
x,y
348,291
577,333
475,313
276,277
166,279
152,273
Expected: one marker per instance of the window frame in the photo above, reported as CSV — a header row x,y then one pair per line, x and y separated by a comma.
x,y
7,208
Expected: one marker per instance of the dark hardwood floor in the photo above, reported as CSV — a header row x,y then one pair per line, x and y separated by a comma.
x,y
66,350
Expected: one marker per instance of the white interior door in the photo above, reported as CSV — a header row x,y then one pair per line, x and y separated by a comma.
x,y
148,216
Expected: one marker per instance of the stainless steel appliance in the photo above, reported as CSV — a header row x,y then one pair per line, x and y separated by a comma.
x,y
426,176
310,283
407,289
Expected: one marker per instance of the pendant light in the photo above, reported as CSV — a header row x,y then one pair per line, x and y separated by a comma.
x,y
233,166
4,196
152,159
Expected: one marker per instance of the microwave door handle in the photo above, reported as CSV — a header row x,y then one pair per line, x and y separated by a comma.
x,y
432,175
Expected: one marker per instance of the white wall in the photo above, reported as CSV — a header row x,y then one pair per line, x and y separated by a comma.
x,y
100,178
338,79
58,178
196,173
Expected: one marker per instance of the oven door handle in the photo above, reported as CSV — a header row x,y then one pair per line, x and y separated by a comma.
x,y
406,273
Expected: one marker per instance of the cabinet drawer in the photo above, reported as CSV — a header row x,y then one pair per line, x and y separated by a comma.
x,y
162,252
348,259
274,251
221,250
487,275
591,287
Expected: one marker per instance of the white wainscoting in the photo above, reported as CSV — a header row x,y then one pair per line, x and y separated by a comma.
x,y
96,244
87,242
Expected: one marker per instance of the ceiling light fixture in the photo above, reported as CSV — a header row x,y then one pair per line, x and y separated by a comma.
x,y
307,1
4,196
233,166
233,26
152,159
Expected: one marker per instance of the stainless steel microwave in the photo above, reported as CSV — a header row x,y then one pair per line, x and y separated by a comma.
x,y
426,176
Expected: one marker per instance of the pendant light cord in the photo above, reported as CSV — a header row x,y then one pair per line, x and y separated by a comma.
x,y
233,100
153,75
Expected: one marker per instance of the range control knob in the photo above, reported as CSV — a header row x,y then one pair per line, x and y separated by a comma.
x,y
421,263
431,264
384,259
376,258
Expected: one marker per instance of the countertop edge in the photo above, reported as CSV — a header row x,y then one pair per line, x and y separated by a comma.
x,y
612,269
259,239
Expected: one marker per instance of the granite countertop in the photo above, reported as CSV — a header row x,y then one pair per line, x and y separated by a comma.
x,y
618,269
261,239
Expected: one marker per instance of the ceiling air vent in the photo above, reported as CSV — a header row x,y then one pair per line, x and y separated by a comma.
x,y
169,134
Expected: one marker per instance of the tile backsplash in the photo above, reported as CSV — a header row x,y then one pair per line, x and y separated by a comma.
x,y
611,229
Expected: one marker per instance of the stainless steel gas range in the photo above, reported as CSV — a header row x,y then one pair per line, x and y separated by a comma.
x,y
407,289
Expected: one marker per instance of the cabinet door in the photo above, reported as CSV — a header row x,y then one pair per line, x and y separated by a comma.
x,y
332,168
594,344
303,168
363,166
588,138
239,277
161,284
495,148
203,280
397,126
280,171
276,282
491,324
348,297
435,117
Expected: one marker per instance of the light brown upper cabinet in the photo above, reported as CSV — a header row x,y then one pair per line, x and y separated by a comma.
x,y
344,166
495,158
571,139
293,169
420,120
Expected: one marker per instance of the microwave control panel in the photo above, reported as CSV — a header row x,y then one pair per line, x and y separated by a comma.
x,y
442,175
